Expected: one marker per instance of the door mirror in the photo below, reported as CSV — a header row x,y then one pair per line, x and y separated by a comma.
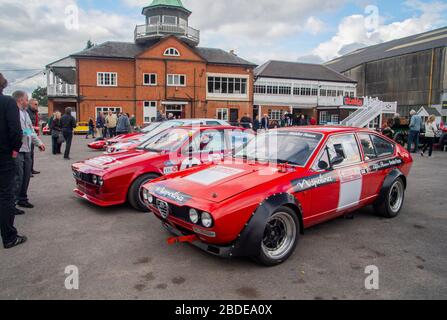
x,y
323,165
337,160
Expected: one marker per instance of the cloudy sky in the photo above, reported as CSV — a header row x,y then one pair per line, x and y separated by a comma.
x,y
37,32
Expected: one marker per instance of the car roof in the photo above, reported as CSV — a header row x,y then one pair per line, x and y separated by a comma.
x,y
326,130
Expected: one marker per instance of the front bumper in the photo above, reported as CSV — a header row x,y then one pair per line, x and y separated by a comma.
x,y
220,251
95,200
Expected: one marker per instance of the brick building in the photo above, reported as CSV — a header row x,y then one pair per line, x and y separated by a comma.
x,y
164,69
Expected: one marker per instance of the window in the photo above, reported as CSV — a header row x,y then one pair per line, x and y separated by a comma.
x,y
340,93
226,85
344,146
149,111
284,90
155,20
105,110
260,89
323,92
275,115
172,52
315,92
170,20
335,119
150,79
222,114
324,117
368,147
176,80
383,147
107,79
212,141
296,91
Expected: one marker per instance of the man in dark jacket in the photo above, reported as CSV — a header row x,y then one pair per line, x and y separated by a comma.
x,y
265,122
68,123
33,111
10,144
246,122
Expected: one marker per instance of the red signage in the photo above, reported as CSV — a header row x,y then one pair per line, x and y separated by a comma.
x,y
356,102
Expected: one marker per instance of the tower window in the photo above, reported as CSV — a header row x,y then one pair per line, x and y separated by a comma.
x,y
170,20
172,52
155,20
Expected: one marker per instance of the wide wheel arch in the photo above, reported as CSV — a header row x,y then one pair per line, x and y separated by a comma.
x,y
388,182
249,241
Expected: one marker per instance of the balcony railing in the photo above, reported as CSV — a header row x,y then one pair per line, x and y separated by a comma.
x,y
151,31
62,90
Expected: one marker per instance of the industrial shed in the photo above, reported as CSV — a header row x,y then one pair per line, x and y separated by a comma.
x,y
411,71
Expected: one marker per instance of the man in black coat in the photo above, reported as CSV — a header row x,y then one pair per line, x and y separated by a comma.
x,y
246,121
68,123
10,144
33,111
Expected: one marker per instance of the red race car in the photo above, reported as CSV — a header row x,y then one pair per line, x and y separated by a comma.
x,y
101,143
284,181
115,179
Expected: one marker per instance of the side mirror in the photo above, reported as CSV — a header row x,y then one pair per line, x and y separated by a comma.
x,y
337,160
323,165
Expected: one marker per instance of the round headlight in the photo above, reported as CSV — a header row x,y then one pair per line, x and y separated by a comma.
x,y
193,216
95,179
145,194
207,220
100,181
150,198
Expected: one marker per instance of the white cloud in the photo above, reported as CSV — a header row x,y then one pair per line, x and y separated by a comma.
x,y
353,31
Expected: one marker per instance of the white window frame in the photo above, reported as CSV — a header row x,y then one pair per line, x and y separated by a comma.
x,y
171,52
106,110
236,95
221,111
149,104
176,80
153,24
171,24
150,76
276,115
100,79
324,115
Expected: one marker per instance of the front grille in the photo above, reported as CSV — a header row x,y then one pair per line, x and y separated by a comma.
x,y
85,177
163,207
176,211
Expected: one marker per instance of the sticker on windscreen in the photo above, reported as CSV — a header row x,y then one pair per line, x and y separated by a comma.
x,y
215,174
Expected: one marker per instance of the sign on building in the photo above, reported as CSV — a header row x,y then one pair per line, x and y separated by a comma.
x,y
355,102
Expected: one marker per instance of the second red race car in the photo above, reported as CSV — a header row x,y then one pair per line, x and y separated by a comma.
x,y
283,182
114,179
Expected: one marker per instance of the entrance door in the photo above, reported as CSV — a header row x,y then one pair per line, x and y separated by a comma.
x,y
234,116
176,110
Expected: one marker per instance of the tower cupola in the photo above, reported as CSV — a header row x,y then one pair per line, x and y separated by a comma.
x,y
164,18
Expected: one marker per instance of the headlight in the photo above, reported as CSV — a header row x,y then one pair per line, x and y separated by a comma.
x,y
207,220
145,194
100,181
193,216
95,179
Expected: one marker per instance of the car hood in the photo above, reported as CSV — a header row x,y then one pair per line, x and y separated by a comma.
x,y
217,183
114,161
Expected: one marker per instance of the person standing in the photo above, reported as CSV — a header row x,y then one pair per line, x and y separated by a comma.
x,y
430,134
265,122
33,111
123,125
111,122
56,133
10,144
91,128
313,121
68,123
256,124
23,159
246,121
415,131
133,123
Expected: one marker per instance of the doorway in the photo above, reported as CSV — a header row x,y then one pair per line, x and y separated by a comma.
x,y
176,110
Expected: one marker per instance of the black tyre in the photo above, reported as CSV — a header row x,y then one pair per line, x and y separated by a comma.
x,y
393,201
443,140
280,237
135,194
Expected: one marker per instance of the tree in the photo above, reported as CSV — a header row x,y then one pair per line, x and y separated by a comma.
x,y
89,45
41,95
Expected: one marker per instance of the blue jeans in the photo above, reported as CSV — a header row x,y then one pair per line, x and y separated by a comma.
x,y
23,175
413,138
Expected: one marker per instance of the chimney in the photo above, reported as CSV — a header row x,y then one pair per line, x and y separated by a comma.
x,y
233,52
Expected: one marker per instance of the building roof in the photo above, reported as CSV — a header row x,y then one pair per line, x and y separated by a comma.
x,y
129,50
300,71
430,111
419,42
166,3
